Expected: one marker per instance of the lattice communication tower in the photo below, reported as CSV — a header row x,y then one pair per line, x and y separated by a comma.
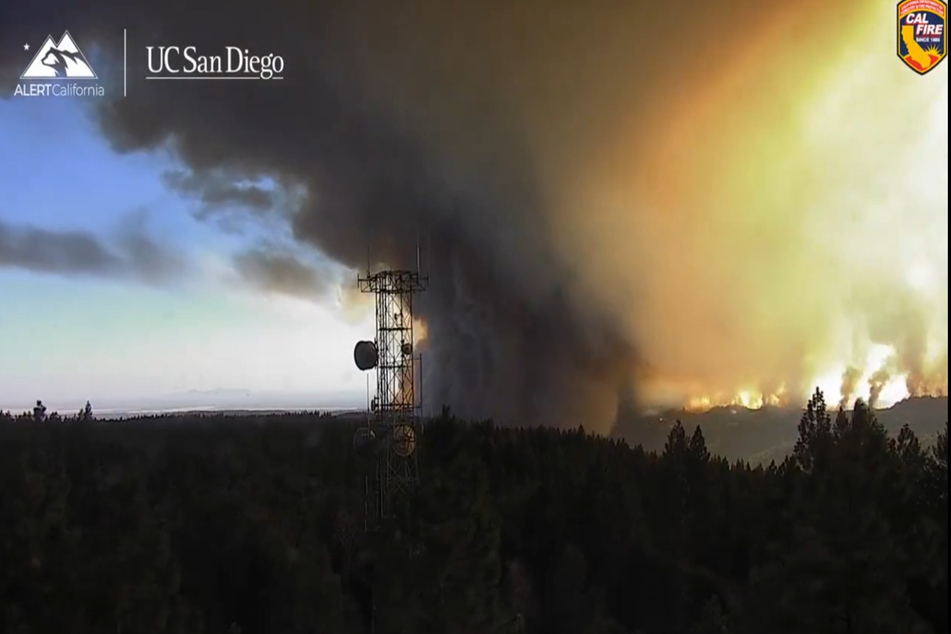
x,y
395,415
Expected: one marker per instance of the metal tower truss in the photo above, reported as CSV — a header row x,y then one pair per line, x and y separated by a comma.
x,y
396,410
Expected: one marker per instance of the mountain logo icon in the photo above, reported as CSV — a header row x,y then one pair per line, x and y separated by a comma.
x,y
62,60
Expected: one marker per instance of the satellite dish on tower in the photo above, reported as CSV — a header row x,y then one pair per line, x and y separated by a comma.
x,y
365,355
404,440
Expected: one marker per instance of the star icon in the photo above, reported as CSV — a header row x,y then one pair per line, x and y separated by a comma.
x,y
26,47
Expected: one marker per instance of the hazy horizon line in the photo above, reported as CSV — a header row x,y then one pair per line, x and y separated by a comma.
x,y
314,403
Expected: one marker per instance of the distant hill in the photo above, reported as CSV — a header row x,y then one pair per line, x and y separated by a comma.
x,y
215,400
770,433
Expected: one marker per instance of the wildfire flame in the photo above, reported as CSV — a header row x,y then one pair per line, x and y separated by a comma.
x,y
876,382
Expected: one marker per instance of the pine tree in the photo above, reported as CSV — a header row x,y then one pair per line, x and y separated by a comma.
x,y
843,570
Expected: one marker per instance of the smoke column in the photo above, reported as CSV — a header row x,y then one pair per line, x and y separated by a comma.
x,y
621,199
850,380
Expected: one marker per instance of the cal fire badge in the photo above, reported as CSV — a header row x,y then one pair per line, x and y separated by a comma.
x,y
922,34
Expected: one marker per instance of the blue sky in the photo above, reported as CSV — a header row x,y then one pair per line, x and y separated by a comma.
x,y
68,338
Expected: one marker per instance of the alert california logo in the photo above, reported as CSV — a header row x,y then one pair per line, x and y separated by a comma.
x,y
58,69
922,34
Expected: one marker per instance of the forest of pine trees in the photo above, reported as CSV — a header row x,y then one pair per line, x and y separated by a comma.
x,y
255,525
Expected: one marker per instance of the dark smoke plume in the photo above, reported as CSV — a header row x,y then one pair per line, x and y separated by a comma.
x,y
456,120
